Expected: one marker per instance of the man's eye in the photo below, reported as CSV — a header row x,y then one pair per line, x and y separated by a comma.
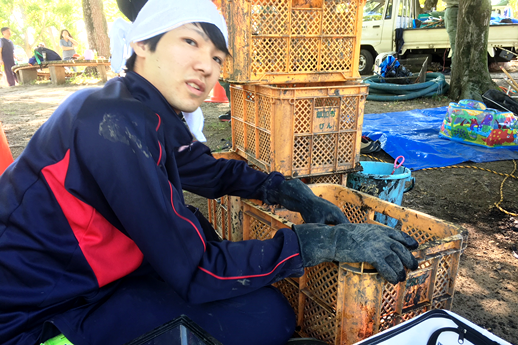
x,y
218,60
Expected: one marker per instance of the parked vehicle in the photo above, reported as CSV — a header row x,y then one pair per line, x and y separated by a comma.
x,y
381,18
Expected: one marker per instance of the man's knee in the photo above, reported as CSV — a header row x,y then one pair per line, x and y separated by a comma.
x,y
284,314
261,317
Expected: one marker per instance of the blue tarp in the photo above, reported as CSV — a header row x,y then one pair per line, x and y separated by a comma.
x,y
414,134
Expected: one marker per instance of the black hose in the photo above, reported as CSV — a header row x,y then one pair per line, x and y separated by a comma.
x,y
435,84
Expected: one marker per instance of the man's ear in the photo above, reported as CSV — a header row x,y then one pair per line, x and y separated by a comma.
x,y
139,48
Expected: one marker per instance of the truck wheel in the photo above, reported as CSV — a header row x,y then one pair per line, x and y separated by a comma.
x,y
366,62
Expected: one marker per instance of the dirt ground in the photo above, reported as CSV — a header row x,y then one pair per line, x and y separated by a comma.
x,y
487,283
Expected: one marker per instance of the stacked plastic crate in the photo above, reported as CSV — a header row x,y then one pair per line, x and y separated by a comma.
x,y
296,98
296,103
297,108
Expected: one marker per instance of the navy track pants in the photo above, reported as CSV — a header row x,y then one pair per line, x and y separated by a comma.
x,y
140,304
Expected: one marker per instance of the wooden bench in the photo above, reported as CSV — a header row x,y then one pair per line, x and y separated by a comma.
x,y
26,73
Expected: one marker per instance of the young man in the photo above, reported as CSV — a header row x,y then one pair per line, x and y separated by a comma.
x,y
7,55
96,241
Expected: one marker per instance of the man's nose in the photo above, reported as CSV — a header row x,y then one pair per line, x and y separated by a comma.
x,y
204,63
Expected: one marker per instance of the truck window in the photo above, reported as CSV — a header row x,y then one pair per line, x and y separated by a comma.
x,y
373,10
388,15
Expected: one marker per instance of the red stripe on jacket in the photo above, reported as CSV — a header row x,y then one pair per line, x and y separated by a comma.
x,y
187,219
159,145
110,253
249,276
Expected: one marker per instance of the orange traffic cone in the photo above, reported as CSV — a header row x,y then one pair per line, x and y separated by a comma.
x,y
218,95
6,157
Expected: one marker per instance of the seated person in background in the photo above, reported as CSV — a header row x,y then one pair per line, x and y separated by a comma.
x,y
42,54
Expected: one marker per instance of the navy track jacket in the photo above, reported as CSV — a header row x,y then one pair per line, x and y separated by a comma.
x,y
97,196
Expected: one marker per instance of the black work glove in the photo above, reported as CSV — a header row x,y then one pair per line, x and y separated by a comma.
x,y
383,247
296,196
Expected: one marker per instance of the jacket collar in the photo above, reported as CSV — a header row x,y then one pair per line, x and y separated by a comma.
x,y
145,92
141,89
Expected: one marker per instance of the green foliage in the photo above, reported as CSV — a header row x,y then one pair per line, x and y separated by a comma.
x,y
514,6
111,10
31,21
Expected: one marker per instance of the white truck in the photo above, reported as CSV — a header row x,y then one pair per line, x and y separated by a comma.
x,y
381,18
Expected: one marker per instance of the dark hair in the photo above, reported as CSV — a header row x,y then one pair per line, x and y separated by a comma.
x,y
151,43
61,33
4,29
211,30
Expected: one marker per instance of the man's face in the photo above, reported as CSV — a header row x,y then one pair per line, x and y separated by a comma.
x,y
184,67
7,33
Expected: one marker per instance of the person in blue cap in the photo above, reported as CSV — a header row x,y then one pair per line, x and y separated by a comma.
x,y
96,240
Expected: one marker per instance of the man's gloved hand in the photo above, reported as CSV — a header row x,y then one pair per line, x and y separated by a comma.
x,y
296,196
384,248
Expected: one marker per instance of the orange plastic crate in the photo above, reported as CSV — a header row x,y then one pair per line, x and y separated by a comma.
x,y
340,179
292,41
299,129
226,213
219,216
343,303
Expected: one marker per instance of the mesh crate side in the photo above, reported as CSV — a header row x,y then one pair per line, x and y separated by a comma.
x,y
237,102
319,322
330,178
290,290
340,17
346,304
251,140
211,210
279,41
304,54
347,153
299,130
423,227
322,282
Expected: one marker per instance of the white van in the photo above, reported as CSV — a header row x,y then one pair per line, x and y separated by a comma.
x,y
381,18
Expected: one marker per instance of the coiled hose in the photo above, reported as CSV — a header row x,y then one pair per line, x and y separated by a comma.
x,y
435,84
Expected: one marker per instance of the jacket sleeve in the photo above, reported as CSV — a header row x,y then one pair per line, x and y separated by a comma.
x,y
204,175
128,183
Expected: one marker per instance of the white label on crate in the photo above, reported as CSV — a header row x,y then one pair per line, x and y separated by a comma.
x,y
325,120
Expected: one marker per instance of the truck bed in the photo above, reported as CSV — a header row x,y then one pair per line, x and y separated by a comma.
x,y
504,35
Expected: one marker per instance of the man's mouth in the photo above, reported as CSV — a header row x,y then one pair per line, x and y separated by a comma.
x,y
195,86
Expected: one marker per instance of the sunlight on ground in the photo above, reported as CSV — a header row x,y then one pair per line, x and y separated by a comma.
x,y
495,307
76,80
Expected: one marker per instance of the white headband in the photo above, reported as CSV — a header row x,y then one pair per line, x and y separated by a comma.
x,y
157,17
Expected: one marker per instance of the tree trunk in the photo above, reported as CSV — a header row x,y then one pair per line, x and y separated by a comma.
x,y
27,45
429,4
96,27
54,45
470,75
25,34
